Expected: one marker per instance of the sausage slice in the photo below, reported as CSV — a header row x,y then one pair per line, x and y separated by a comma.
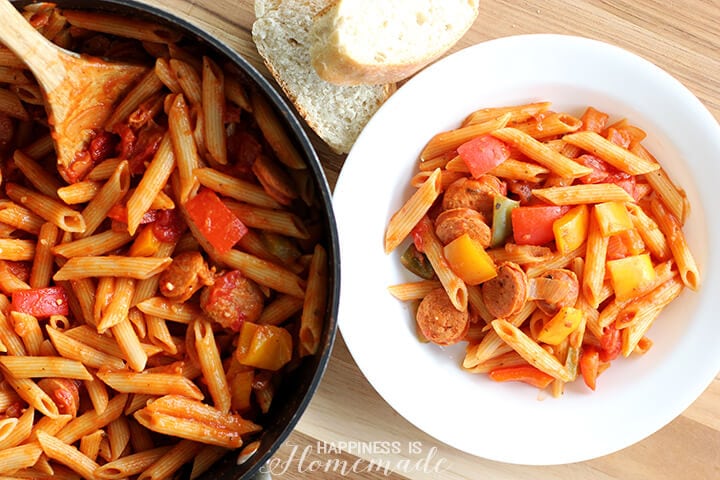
x,y
452,223
439,321
505,294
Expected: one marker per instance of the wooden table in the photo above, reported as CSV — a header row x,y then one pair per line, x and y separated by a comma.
x,y
682,37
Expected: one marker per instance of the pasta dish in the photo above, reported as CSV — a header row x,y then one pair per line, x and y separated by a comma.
x,y
155,292
548,242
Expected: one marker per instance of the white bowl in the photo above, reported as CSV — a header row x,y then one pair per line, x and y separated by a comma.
x,y
423,382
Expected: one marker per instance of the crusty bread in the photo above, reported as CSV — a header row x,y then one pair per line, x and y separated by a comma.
x,y
281,33
379,41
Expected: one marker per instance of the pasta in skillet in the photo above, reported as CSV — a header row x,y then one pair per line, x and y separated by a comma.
x,y
155,292
549,243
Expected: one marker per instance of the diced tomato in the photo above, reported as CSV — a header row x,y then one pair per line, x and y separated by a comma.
x,y
610,344
483,153
616,248
20,269
169,226
419,232
215,220
533,225
127,140
594,120
600,168
41,302
624,181
102,146
144,148
589,365
619,137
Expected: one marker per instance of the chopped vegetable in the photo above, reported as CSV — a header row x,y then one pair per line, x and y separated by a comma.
x,y
533,225
263,346
610,343
522,373
241,389
590,365
502,221
612,218
571,229
469,260
483,153
417,263
560,326
215,221
41,302
630,275
146,244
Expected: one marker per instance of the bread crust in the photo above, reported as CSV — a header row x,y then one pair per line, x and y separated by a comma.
x,y
336,64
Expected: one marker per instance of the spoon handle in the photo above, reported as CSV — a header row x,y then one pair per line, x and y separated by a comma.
x,y
41,56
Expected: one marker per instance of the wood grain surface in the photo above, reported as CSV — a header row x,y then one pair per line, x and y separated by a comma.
x,y
683,38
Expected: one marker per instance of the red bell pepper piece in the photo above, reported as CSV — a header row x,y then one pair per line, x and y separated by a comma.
x,y
533,225
41,302
215,220
521,373
483,153
589,365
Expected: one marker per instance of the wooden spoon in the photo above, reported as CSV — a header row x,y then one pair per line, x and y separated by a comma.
x,y
80,91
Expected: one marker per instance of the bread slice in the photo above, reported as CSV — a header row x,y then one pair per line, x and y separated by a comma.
x,y
375,41
337,114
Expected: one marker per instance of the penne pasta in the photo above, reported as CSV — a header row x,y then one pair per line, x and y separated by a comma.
x,y
583,194
615,155
408,216
314,305
235,188
121,26
183,142
48,208
39,367
213,104
93,245
139,268
153,181
542,154
672,229
445,142
274,133
530,351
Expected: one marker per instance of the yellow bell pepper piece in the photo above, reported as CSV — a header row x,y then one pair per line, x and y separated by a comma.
x,y
146,244
560,326
241,389
263,346
571,229
469,260
612,218
630,275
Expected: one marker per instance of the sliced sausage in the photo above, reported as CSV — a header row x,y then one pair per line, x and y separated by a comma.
x,y
452,223
439,321
568,291
232,300
505,294
64,392
477,194
187,273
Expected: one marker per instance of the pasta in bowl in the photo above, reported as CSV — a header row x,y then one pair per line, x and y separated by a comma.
x,y
506,285
168,298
